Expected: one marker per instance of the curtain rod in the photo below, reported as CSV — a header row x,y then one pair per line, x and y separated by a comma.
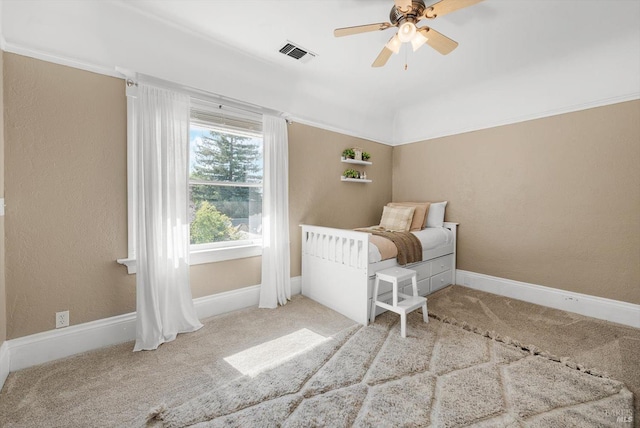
x,y
222,101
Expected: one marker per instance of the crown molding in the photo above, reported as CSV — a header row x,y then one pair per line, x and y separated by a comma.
x,y
533,116
316,124
61,60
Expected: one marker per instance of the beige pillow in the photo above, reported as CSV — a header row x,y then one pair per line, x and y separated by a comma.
x,y
419,221
397,219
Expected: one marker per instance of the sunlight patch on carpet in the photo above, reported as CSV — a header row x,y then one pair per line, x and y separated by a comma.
x,y
268,355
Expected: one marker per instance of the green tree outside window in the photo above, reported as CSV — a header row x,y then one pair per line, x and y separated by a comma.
x,y
225,158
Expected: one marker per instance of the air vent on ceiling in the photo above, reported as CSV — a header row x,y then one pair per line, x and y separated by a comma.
x,y
296,52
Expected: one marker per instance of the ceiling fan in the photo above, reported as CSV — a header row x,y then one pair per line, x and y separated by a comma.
x,y
405,14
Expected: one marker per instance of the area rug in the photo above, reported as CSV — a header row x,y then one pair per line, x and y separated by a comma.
x,y
443,374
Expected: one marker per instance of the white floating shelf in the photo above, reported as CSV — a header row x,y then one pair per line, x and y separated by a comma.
x,y
356,162
355,180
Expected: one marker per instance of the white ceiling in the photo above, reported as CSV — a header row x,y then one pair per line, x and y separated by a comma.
x,y
517,59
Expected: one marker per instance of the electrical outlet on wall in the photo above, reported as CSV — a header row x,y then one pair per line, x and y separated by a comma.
x,y
62,319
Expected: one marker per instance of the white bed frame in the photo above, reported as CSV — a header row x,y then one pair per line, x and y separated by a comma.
x,y
336,271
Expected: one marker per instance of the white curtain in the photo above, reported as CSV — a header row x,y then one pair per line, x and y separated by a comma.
x,y
276,281
164,303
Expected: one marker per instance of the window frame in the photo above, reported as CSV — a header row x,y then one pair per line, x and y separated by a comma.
x,y
198,253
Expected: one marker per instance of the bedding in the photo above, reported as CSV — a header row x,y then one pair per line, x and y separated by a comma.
x,y
397,219
435,217
430,238
419,220
408,248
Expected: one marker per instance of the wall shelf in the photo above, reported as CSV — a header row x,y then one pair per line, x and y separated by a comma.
x,y
351,171
355,180
355,162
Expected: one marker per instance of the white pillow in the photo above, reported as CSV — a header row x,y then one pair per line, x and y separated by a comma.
x,y
435,217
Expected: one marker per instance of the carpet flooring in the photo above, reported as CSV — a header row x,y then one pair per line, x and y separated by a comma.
x,y
612,348
440,375
114,387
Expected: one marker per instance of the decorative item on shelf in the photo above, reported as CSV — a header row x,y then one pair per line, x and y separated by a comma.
x,y
351,173
355,156
348,154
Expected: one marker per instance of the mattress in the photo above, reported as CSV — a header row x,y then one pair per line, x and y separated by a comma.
x,y
430,238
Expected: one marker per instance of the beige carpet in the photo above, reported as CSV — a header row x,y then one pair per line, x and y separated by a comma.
x,y
612,348
440,375
114,387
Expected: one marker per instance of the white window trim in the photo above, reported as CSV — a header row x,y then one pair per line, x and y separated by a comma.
x,y
210,255
198,254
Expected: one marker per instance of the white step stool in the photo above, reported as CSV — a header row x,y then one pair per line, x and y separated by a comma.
x,y
410,303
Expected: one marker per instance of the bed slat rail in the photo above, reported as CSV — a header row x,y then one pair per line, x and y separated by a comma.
x,y
345,247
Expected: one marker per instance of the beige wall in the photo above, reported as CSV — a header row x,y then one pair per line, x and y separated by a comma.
x,y
65,182
3,297
316,194
66,187
554,201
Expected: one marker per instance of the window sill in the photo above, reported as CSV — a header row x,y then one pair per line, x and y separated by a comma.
x,y
213,255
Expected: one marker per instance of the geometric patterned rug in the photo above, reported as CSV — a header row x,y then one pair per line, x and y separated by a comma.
x,y
443,374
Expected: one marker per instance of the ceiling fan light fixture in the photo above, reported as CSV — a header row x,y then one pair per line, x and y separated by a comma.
x,y
406,31
405,15
418,40
394,44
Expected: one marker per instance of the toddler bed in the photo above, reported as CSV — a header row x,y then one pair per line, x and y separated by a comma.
x,y
339,266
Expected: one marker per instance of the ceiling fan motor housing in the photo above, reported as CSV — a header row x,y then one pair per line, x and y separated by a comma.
x,y
404,15
397,17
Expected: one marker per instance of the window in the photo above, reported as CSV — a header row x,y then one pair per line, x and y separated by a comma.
x,y
225,186
225,179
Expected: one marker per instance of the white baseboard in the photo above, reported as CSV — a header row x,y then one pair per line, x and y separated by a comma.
x,y
5,362
51,345
233,300
296,285
583,304
23,352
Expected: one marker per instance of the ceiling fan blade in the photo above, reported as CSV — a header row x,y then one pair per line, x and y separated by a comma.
x,y
392,46
447,6
438,41
403,5
348,31
382,59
